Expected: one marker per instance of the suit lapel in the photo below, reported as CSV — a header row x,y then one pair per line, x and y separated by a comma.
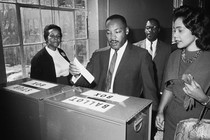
x,y
143,44
105,59
158,49
124,59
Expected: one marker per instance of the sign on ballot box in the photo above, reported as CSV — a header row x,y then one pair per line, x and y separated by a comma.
x,y
85,114
23,109
39,110
89,103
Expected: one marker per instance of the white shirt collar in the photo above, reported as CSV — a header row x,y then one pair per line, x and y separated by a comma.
x,y
51,52
121,49
120,53
154,48
60,63
154,43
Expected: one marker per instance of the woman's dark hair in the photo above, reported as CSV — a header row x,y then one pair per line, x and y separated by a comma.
x,y
49,27
197,22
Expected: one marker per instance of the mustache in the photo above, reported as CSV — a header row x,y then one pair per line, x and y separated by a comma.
x,y
113,41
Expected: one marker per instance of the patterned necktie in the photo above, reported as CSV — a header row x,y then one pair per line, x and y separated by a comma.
x,y
110,72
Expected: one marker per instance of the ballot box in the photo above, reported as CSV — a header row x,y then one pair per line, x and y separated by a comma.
x,y
22,110
85,114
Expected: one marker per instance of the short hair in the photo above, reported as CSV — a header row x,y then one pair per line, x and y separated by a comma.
x,y
197,22
118,17
155,20
49,27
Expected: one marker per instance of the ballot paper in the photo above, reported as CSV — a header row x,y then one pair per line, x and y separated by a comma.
x,y
84,72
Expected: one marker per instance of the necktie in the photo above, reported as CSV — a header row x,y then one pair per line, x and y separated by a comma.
x,y
150,51
151,47
110,72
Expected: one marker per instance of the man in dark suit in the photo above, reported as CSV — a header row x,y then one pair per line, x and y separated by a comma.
x,y
159,50
133,74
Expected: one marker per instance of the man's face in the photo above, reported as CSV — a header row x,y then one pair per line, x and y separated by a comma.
x,y
116,33
151,30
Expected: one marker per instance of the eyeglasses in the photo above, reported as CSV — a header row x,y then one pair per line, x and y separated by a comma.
x,y
151,27
55,36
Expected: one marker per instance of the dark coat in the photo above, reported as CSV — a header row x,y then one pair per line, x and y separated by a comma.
x,y
42,66
134,75
162,54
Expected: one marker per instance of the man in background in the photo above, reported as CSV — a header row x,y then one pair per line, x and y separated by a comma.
x,y
160,52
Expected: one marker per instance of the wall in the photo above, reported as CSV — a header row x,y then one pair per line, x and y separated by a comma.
x,y
97,14
137,11
2,65
103,14
93,26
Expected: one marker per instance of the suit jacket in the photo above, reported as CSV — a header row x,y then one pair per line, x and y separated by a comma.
x,y
162,53
42,66
134,75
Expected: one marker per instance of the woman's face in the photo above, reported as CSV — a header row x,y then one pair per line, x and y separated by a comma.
x,y
183,36
53,39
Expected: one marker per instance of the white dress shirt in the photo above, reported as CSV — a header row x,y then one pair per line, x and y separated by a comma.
x,y
60,63
120,53
154,44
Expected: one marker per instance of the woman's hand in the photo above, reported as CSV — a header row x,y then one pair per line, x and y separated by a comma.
x,y
159,122
166,98
194,90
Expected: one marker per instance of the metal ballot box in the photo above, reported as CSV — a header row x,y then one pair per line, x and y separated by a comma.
x,y
22,108
84,114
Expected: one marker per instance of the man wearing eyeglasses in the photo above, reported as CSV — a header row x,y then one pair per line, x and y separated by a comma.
x,y
159,51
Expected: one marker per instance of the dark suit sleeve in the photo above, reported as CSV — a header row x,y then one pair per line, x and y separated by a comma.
x,y
149,87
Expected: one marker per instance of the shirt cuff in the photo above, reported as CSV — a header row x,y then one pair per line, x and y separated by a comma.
x,y
75,78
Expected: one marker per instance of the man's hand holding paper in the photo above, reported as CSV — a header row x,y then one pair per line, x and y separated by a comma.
x,y
77,69
74,70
